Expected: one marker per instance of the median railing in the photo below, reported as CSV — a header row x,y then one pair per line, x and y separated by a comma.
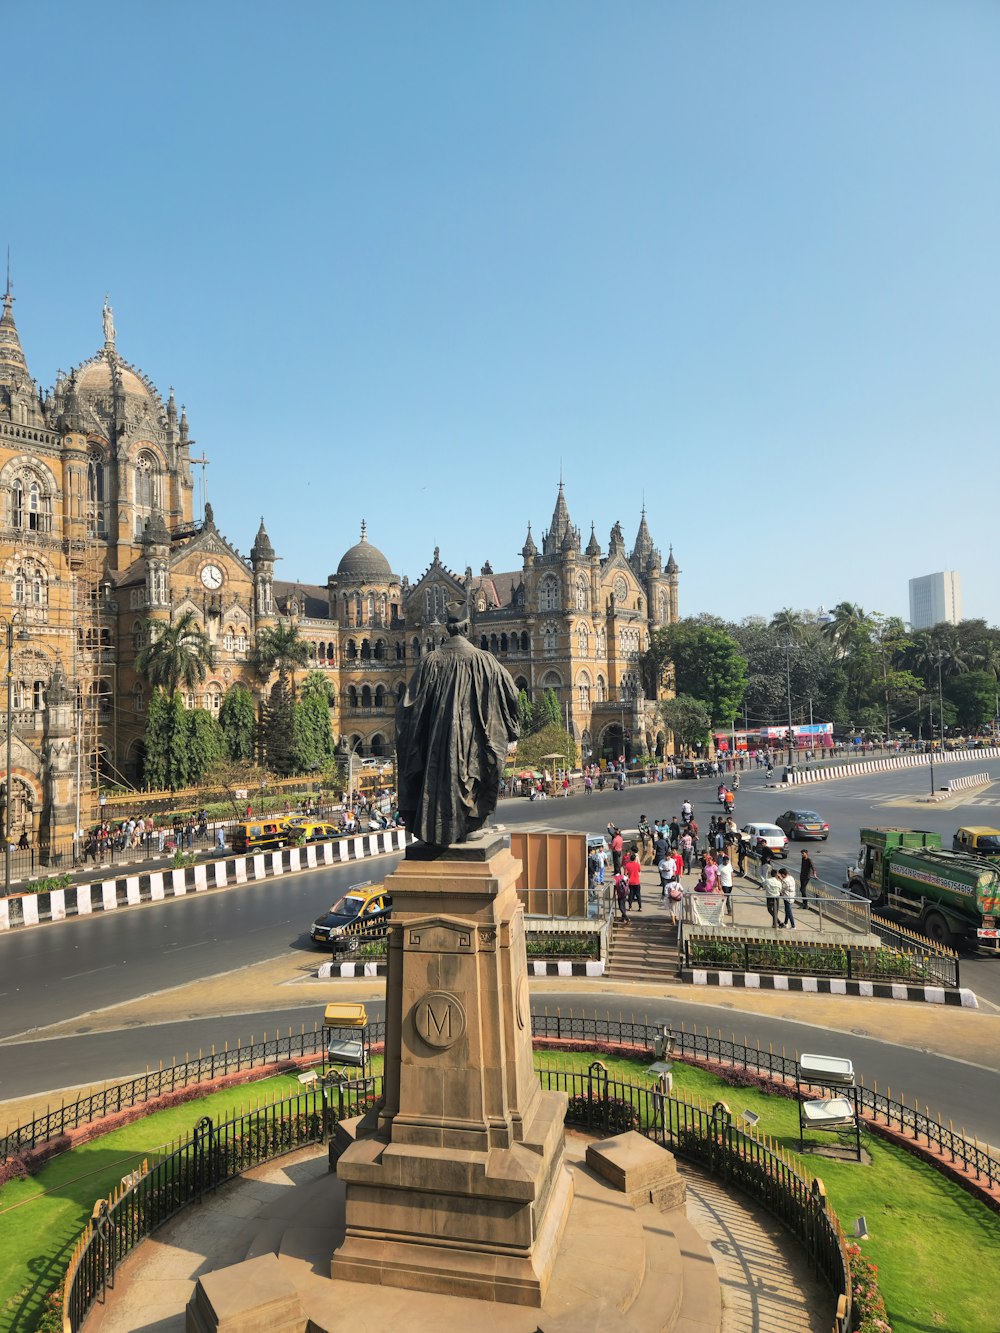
x,y
217,1153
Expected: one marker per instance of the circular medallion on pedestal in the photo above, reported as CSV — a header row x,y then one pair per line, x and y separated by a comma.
x,y
521,1009
439,1019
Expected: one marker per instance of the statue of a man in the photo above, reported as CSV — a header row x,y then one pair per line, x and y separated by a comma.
x,y
453,726
109,322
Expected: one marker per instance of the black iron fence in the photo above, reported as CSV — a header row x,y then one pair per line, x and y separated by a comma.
x,y
216,1153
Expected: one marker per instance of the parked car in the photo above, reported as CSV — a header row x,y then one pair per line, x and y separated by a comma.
x,y
773,837
803,824
360,915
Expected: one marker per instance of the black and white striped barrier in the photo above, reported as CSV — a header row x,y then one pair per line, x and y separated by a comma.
x,y
878,990
536,968
31,909
863,766
975,780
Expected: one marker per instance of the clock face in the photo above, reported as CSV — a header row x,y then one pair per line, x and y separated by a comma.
x,y
211,576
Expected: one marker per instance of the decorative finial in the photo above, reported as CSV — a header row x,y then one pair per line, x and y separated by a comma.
x,y
364,529
8,299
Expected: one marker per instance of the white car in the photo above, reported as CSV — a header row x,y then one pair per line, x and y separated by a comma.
x,y
772,835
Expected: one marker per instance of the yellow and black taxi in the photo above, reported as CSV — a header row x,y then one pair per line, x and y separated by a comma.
x,y
261,835
313,830
978,840
362,914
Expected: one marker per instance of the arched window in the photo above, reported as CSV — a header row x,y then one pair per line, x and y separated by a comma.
x,y
484,643
400,651
366,650
38,695
138,636
602,690
213,697
380,650
30,505
583,689
548,595
243,639
366,696
17,503
493,644
146,486
352,696
379,696
550,638
504,644
138,700
351,651
525,642
30,586
582,594
601,641
96,494
583,641
415,646
400,691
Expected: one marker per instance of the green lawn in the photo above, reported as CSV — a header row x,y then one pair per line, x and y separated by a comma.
x,y
927,1234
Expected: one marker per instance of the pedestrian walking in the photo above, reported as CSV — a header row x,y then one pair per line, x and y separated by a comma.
x,y
726,881
668,873
645,840
633,873
675,832
687,850
807,873
787,897
765,859
602,861
772,891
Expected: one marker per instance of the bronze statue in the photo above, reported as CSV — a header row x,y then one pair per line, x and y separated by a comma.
x,y
453,726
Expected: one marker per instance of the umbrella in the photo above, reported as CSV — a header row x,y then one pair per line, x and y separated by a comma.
x,y
526,774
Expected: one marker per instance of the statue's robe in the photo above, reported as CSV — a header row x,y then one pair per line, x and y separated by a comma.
x,y
453,726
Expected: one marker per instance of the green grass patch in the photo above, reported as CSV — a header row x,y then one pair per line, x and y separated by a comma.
x,y
929,1238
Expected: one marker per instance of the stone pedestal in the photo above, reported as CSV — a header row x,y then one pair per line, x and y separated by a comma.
x,y
457,1185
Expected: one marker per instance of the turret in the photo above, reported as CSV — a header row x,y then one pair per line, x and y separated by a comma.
x,y
156,546
262,559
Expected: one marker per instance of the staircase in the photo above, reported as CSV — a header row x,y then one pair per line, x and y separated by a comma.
x,y
646,948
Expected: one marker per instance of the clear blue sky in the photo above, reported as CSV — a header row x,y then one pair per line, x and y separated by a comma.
x,y
402,261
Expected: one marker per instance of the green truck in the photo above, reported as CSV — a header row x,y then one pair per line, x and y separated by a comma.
x,y
948,895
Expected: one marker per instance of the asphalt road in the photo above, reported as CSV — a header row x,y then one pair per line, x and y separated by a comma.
x,y
962,1091
57,972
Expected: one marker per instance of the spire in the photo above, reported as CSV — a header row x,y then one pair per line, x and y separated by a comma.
x,y
262,548
593,546
13,367
560,520
672,566
643,541
529,549
364,530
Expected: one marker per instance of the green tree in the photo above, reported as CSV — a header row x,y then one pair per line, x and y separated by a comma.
x,y
790,625
204,742
235,779
974,697
708,666
527,712
546,712
168,758
551,739
654,664
176,655
314,745
688,719
280,736
279,648
238,720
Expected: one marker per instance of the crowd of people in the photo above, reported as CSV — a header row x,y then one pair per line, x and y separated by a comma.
x,y
675,848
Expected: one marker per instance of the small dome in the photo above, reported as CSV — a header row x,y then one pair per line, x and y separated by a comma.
x,y
364,563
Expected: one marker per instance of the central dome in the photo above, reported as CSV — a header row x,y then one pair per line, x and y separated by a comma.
x,y
364,563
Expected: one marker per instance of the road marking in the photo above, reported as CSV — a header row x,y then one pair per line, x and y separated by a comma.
x,y
69,976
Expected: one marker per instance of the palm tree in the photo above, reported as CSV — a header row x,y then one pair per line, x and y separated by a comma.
x,y
791,625
175,655
280,649
849,627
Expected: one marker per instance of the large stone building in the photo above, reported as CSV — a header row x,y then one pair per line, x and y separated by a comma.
x,y
98,537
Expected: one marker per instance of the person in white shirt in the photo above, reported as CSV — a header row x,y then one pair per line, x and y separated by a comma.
x,y
787,897
726,881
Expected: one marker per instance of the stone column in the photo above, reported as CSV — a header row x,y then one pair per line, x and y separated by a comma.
x,y
457,1184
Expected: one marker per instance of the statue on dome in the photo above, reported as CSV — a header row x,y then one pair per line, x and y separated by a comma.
x,y
453,726
108,318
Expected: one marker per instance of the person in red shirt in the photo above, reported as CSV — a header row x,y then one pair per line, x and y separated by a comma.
x,y
616,850
633,871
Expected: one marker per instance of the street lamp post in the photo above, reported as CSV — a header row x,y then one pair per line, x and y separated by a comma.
x,y
940,700
930,732
788,683
8,625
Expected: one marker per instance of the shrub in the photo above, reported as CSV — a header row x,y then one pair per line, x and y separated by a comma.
x,y
870,1314
47,884
613,1114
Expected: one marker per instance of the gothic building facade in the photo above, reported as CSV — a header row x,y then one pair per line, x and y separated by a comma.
x,y
99,539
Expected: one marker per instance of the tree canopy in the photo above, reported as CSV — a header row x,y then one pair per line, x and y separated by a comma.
x,y
175,655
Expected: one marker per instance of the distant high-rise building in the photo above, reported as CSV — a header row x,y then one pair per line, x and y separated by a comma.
x,y
936,598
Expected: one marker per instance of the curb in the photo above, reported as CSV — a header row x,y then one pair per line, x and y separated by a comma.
x,y
863,767
878,990
32,909
586,968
